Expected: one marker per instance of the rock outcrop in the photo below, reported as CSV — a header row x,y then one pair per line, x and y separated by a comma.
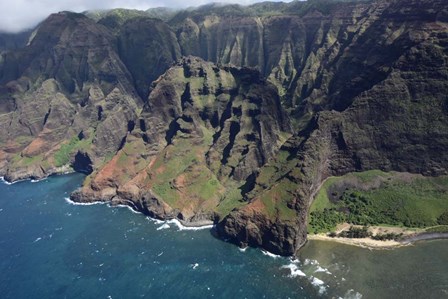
x,y
203,132
229,114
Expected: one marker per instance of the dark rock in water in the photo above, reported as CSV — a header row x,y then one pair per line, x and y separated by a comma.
x,y
275,99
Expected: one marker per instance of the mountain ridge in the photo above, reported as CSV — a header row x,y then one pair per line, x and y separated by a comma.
x,y
228,117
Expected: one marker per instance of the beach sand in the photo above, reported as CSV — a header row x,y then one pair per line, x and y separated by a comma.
x,y
368,242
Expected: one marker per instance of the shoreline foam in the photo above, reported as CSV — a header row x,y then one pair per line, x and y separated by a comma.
x,y
75,203
2,179
193,226
180,225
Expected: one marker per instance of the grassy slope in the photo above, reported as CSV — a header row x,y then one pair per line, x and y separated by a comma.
x,y
414,201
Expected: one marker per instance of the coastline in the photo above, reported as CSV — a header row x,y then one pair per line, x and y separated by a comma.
x,y
381,245
361,242
63,170
181,224
409,236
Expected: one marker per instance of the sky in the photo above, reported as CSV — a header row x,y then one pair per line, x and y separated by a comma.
x,y
18,15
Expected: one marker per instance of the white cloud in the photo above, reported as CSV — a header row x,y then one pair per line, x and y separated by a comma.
x,y
18,15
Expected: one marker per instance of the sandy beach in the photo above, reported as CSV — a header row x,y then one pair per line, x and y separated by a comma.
x,y
362,242
368,242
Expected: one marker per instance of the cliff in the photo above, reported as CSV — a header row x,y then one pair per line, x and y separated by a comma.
x,y
229,114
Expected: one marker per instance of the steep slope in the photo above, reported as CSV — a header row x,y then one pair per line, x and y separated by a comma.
x,y
282,96
66,91
148,47
397,124
204,131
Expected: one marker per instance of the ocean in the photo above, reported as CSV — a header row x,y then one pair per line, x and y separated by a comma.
x,y
52,248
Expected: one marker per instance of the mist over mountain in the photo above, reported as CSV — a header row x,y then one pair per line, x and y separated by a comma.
x,y
26,14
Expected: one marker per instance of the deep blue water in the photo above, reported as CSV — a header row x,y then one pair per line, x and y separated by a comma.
x,y
50,248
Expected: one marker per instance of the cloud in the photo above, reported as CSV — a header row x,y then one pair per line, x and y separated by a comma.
x,y
20,15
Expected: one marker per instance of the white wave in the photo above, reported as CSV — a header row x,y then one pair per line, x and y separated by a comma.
x,y
127,207
324,270
37,240
164,226
182,227
156,221
310,262
294,270
2,179
160,254
1,210
243,249
69,201
318,283
270,254
352,294
39,180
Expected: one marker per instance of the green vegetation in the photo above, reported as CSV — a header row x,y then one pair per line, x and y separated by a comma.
x,y
378,198
232,199
437,229
325,220
388,236
356,232
167,192
277,200
63,155
18,159
443,219
363,232
321,200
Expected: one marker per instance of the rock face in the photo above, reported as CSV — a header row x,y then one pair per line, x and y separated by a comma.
x,y
67,91
203,132
229,114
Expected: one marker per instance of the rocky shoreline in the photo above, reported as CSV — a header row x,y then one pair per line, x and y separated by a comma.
x,y
153,210
233,120
409,238
34,175
424,237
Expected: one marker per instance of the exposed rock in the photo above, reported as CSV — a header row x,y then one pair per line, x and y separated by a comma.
x,y
351,86
199,135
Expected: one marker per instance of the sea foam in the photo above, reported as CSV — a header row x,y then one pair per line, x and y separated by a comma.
x,y
270,254
164,226
352,294
294,270
39,180
318,283
127,207
69,201
243,249
2,179
324,270
183,227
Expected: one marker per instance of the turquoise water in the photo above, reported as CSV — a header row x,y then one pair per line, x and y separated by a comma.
x,y
50,248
